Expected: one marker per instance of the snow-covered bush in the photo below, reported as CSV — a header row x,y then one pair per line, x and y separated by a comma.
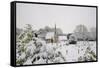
x,y
31,49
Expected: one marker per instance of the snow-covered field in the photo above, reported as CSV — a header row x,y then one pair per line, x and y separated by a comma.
x,y
39,52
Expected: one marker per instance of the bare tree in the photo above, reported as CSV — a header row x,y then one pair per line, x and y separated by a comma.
x,y
47,28
81,29
93,33
81,32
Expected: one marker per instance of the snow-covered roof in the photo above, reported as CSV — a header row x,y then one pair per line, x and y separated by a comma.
x,y
49,35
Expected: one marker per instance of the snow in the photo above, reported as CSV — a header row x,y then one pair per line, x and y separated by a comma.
x,y
49,35
29,61
40,52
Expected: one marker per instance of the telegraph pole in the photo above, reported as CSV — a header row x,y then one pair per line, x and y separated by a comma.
x,y
55,35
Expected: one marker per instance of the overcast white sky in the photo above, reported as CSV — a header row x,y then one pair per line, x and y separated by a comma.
x,y
65,17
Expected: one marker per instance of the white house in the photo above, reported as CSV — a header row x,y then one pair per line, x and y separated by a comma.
x,y
49,35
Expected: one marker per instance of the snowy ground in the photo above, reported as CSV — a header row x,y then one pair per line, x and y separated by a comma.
x,y
40,52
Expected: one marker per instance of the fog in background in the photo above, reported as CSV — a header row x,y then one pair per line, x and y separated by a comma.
x,y
65,17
